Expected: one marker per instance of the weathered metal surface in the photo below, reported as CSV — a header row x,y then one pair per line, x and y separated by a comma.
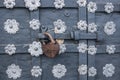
x,y
70,14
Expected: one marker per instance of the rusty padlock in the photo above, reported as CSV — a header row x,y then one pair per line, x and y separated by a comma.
x,y
52,48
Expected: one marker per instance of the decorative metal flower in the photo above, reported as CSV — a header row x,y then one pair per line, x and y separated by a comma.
x,y
35,49
59,4
59,71
36,71
109,7
82,69
11,26
92,71
13,71
92,7
62,48
34,24
10,49
32,4
110,49
9,3
92,50
82,47
60,26
92,27
82,25
110,28
82,3
108,70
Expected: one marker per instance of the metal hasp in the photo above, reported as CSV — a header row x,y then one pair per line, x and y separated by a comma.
x,y
75,35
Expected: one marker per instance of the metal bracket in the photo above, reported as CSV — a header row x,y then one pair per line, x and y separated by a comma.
x,y
77,35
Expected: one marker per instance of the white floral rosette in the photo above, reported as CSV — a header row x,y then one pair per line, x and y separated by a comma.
x,y
9,3
110,28
109,7
13,71
62,48
92,7
82,3
11,26
10,49
108,70
36,71
92,71
92,27
92,50
82,47
34,24
82,69
60,26
110,49
35,49
59,71
59,4
32,4
82,25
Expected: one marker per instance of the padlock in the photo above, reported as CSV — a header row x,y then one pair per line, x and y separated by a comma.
x,y
50,49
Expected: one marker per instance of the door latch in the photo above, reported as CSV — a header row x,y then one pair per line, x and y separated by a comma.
x,y
75,35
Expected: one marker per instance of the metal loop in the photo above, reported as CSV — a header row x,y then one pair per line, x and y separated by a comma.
x,y
50,37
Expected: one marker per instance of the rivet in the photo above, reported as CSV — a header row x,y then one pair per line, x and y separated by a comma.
x,y
67,14
43,28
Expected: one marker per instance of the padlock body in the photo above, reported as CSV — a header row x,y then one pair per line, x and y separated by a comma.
x,y
51,49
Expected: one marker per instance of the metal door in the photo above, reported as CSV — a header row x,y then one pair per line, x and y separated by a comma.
x,y
76,63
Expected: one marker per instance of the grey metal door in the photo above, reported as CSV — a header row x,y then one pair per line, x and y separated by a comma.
x,y
72,58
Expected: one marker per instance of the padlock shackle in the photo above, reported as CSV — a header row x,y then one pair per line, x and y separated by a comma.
x,y
50,37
